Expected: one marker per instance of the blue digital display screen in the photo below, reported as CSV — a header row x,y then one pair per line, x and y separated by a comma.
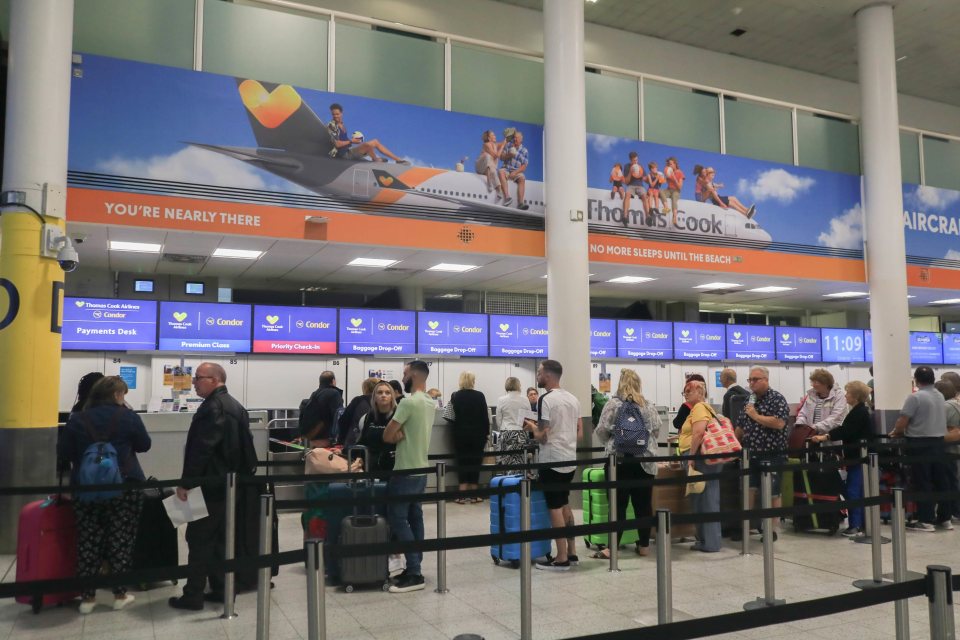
x,y
692,341
798,344
926,347
518,336
204,326
951,348
868,345
377,331
603,338
842,345
645,340
452,334
294,330
750,342
103,324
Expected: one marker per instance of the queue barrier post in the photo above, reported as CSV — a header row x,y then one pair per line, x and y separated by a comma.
x,y
230,546
867,487
526,566
769,598
898,522
614,536
263,575
940,602
664,569
873,516
316,594
745,502
441,529
871,489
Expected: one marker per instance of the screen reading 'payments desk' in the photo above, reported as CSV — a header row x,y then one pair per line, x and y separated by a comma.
x,y
109,325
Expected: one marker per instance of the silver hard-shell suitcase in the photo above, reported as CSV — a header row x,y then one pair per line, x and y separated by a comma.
x,y
364,529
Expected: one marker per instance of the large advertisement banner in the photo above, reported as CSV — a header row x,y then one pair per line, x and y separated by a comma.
x,y
143,137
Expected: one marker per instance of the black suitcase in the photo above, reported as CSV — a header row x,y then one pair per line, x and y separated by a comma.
x,y
156,542
364,529
818,486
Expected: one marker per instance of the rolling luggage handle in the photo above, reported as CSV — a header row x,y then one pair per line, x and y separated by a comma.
x,y
357,485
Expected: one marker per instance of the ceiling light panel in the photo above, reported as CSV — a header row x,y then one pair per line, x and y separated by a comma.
x,y
846,294
947,301
141,247
630,280
453,268
241,254
771,289
372,262
715,286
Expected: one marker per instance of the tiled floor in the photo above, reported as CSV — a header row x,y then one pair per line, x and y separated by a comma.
x,y
484,599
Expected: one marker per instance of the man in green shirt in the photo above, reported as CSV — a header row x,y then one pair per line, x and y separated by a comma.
x,y
410,430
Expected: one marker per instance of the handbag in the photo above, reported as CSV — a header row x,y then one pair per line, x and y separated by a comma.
x,y
719,437
694,487
448,413
321,461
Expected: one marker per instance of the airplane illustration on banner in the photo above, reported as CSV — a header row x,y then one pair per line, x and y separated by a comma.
x,y
295,144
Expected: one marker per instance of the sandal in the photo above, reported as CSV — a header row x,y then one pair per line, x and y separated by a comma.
x,y
460,501
600,555
477,500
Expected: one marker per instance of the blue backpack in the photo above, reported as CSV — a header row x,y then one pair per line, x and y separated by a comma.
x,y
99,464
630,433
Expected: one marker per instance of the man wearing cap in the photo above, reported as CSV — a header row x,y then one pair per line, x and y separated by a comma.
x,y
515,158
346,147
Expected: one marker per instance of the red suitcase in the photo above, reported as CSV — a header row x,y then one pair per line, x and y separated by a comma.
x,y
47,548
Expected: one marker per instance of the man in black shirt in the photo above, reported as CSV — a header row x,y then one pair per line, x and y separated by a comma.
x,y
324,408
728,379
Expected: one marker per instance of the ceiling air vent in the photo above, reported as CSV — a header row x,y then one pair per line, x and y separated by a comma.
x,y
183,258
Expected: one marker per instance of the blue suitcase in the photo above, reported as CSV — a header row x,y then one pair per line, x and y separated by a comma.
x,y
505,518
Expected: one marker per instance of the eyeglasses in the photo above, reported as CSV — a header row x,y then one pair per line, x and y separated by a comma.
x,y
755,379
195,378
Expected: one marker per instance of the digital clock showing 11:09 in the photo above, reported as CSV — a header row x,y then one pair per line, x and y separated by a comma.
x,y
842,345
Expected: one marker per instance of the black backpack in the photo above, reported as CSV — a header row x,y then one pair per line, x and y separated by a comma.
x,y
310,414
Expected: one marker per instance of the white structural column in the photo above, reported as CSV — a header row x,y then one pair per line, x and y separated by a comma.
x,y
565,141
883,206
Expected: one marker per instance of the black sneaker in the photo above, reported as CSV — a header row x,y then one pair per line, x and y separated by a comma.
x,y
775,536
574,561
523,206
184,602
408,583
851,532
553,565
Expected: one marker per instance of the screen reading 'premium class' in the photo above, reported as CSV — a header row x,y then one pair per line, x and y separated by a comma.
x,y
204,326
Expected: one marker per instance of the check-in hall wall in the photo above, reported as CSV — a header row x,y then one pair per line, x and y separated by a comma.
x,y
265,382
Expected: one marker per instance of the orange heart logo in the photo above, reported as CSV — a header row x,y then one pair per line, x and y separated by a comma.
x,y
386,180
270,109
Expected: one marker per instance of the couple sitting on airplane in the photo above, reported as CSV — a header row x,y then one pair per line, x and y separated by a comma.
x,y
706,191
514,156
354,147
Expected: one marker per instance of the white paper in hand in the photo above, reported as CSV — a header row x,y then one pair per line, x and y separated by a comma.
x,y
183,511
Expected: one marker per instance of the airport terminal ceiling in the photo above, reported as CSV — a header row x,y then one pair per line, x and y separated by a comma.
x,y
295,264
817,36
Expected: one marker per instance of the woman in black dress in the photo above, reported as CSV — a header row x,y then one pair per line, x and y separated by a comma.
x,y
471,427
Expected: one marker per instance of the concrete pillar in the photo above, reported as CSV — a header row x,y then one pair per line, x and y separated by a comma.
x,y
31,286
565,143
884,245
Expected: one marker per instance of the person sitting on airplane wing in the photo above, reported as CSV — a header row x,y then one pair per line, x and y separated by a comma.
x,y
724,202
347,149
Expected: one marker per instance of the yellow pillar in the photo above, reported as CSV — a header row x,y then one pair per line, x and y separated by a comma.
x,y
31,308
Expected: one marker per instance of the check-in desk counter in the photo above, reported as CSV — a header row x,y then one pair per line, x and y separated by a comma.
x,y
168,432
441,442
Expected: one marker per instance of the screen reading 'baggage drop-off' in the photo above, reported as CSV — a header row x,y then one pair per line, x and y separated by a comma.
x,y
377,332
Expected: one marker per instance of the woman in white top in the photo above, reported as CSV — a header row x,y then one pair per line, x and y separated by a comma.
x,y
511,408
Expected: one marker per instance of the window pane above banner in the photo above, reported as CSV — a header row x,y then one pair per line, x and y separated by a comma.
x,y
159,31
243,41
389,66
612,105
909,157
758,131
828,143
681,116
941,163
499,85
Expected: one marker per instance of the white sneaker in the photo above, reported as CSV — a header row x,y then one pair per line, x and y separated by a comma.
x,y
86,607
945,525
120,603
924,527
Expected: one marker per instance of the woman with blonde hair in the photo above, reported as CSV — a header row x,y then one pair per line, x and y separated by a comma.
x,y
691,437
486,164
471,427
511,407
629,405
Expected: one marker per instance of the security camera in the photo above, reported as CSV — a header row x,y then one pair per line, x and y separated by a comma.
x,y
54,243
67,256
